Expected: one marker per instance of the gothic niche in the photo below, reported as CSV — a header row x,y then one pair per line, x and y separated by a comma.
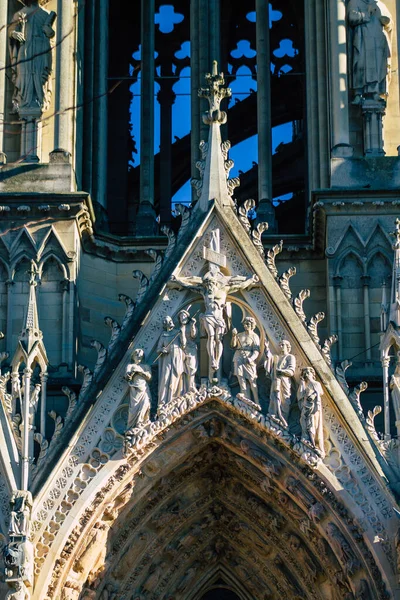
x,y
216,347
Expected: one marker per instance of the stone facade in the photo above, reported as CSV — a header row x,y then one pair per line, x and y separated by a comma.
x,y
190,411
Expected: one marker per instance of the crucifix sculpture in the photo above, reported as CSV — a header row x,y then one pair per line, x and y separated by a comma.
x,y
214,286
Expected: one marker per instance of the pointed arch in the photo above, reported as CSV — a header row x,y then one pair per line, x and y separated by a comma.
x,y
214,496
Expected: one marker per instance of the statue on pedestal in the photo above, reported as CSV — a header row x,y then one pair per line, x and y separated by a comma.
x,y
281,369
138,376
309,399
247,351
188,336
370,44
170,363
21,507
30,33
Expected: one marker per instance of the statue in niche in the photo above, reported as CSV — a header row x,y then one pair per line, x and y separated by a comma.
x,y
170,363
247,351
280,368
138,376
214,286
188,336
309,399
21,507
370,46
30,33
395,388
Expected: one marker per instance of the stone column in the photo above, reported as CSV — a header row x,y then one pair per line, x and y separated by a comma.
x,y
215,30
10,307
367,323
337,282
339,81
3,61
195,84
166,97
100,108
64,331
385,367
43,403
64,76
146,224
204,57
265,210
71,325
26,430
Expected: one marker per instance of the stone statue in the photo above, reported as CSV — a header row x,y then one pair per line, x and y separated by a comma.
x,y
30,33
370,48
188,336
247,351
342,549
19,561
395,388
138,376
309,399
281,369
17,592
215,287
170,363
21,506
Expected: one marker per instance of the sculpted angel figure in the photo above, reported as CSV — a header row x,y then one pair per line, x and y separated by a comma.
x,y
370,44
280,368
30,33
170,363
214,286
247,351
188,328
138,376
309,399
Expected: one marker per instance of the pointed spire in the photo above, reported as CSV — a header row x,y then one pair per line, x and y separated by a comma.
x,y
395,292
31,334
215,166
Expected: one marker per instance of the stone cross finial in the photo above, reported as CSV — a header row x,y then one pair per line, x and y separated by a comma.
x,y
215,93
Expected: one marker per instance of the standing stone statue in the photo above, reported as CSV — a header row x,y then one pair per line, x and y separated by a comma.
x,y
21,507
188,336
138,376
170,363
309,399
30,33
247,351
370,47
395,388
281,369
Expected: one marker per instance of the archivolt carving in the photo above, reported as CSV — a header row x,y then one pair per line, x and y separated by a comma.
x,y
215,510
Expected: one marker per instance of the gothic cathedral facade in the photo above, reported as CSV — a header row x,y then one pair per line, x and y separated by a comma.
x,y
200,338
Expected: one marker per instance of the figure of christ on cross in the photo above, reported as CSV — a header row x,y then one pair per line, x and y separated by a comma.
x,y
214,286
